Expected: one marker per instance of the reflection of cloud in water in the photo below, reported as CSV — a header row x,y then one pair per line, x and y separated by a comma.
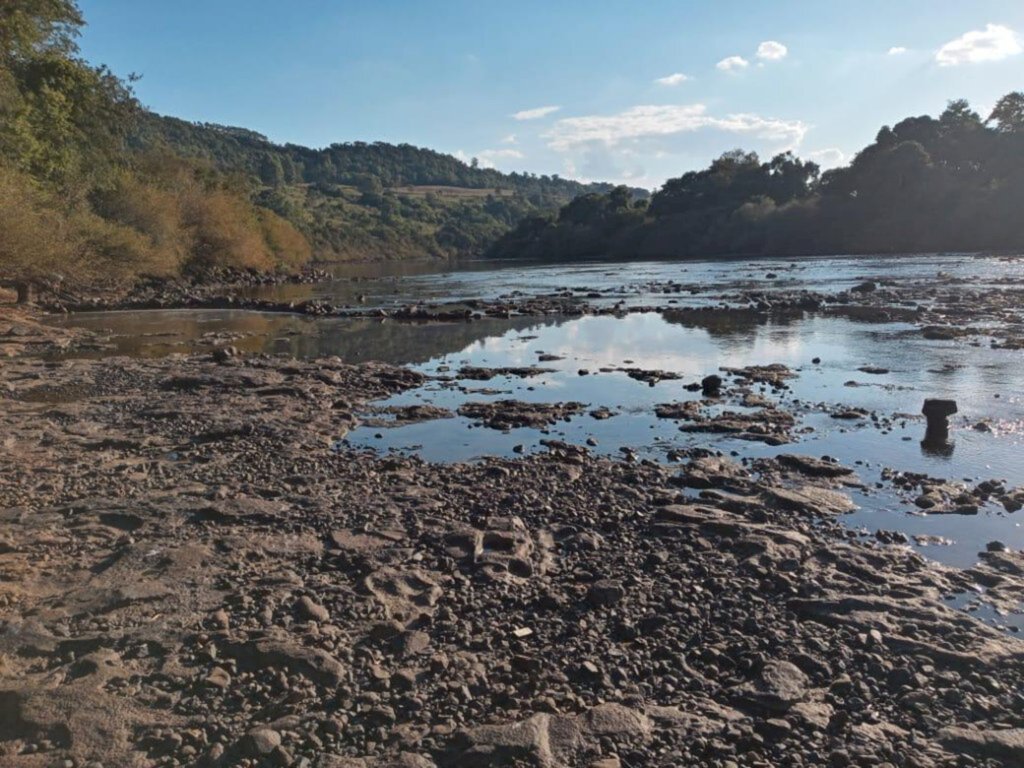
x,y
647,340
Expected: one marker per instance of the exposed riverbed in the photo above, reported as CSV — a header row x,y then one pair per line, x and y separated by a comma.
x,y
985,382
601,516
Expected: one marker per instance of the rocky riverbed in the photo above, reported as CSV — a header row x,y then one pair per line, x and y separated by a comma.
x,y
195,569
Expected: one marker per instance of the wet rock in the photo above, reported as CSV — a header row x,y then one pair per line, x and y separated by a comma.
x,y
224,354
486,374
811,500
774,375
512,414
937,412
814,467
687,410
711,385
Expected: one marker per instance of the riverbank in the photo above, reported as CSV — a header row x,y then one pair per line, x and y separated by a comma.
x,y
197,571
25,331
944,305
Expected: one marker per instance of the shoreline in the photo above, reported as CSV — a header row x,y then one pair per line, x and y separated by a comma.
x,y
191,559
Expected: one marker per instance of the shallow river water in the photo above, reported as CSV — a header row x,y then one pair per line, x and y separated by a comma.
x,y
986,383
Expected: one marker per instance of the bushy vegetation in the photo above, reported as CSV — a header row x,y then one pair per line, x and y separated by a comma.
x,y
955,182
76,205
370,200
95,188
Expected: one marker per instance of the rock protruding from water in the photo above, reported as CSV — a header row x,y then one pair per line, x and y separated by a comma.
x,y
711,386
938,411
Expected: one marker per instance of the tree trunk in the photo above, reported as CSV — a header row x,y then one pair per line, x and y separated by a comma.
x,y
24,290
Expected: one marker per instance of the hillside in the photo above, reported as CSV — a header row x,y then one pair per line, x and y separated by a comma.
x,y
369,200
96,191
926,184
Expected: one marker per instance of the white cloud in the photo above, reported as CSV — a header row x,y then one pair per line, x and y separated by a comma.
x,y
644,122
489,157
827,158
732,63
771,50
993,43
897,50
535,114
673,79
510,139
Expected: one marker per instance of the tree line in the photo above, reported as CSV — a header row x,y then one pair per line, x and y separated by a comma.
x,y
95,189
351,199
76,204
926,184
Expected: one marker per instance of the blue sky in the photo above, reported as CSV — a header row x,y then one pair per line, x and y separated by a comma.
x,y
474,78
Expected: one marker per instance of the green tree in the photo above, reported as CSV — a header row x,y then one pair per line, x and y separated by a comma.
x,y
1008,114
63,121
29,28
271,170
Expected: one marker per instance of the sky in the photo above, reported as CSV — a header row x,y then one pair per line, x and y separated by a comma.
x,y
631,93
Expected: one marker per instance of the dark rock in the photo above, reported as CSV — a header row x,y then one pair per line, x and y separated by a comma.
x,y
605,592
711,385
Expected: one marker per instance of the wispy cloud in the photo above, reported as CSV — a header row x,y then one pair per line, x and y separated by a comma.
x,y
665,120
772,50
535,113
993,43
733,64
510,139
673,79
897,50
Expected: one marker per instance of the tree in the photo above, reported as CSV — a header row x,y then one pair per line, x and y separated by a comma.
x,y
63,120
271,170
1008,114
958,112
29,28
31,247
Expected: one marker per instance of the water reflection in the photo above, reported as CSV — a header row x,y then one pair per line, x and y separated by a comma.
x,y
829,353
940,448
157,333
724,323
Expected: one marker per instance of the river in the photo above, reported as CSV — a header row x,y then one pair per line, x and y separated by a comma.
x,y
985,382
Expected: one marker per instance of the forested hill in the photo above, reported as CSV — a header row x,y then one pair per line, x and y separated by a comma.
x,y
949,183
368,200
96,190
353,163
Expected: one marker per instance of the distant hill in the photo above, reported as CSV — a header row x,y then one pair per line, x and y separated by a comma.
x,y
96,191
926,184
371,200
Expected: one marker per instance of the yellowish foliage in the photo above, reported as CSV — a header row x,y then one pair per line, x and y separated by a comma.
x,y
33,245
289,247
226,232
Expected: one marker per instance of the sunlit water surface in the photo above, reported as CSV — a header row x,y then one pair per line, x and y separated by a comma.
x,y
986,383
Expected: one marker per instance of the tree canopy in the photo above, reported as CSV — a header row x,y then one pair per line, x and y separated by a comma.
x,y
955,182
76,203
